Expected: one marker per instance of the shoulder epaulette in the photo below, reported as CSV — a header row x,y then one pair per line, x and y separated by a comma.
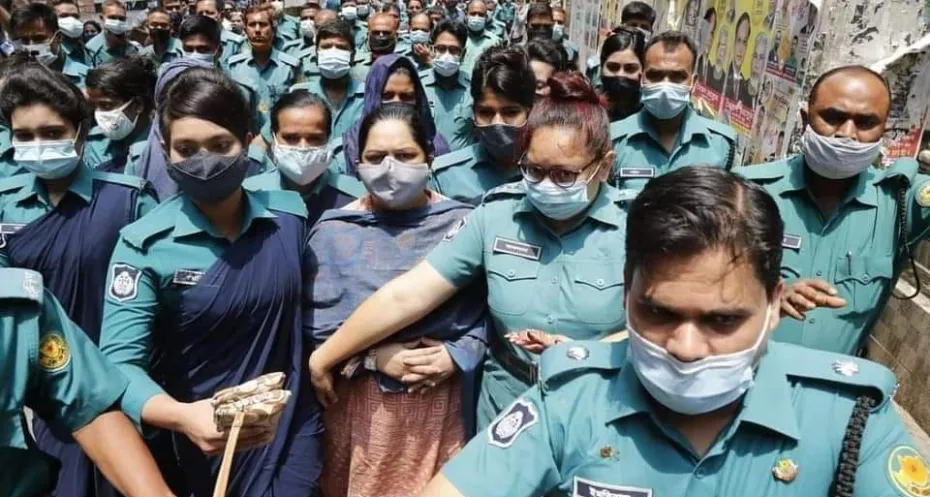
x,y
233,37
282,201
624,127
764,173
96,132
508,190
569,359
347,184
427,77
270,180
257,153
307,52
850,372
235,59
158,220
719,128
288,59
120,179
906,168
17,283
458,157
15,182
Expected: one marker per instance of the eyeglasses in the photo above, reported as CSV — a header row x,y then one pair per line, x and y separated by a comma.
x,y
443,49
560,176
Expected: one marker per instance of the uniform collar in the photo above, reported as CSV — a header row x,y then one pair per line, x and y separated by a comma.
x,y
190,220
72,67
603,209
691,125
628,396
82,186
863,191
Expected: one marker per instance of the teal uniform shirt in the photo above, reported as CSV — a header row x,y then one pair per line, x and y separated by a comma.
x,y
23,198
47,363
590,429
468,174
100,53
570,285
571,52
496,28
232,45
640,154
475,46
360,31
308,66
855,249
172,52
363,61
346,113
270,82
175,236
74,50
75,71
448,103
301,48
99,149
288,28
7,166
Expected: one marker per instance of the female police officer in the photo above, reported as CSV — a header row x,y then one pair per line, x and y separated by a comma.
x,y
697,402
551,249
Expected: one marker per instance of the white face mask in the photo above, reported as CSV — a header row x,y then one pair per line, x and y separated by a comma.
x,y
114,123
209,58
837,158
115,26
307,28
665,100
334,63
695,387
302,165
349,13
71,27
47,159
42,52
447,64
394,183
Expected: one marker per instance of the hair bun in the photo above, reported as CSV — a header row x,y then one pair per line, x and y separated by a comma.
x,y
572,87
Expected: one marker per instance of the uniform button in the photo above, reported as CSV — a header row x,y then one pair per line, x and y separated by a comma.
x,y
700,473
555,280
819,273
599,282
550,319
511,273
812,320
866,278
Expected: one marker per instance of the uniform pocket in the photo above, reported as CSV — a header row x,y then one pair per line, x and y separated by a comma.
x,y
597,293
863,270
511,282
791,265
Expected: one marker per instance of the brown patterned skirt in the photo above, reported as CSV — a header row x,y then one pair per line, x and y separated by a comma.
x,y
385,444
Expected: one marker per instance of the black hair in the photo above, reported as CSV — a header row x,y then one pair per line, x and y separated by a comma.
x,y
506,71
126,78
335,29
671,40
435,10
208,94
638,10
468,5
693,209
390,8
452,27
30,13
548,51
32,83
622,39
743,18
93,23
157,10
539,10
55,3
855,70
399,112
301,99
200,25
710,12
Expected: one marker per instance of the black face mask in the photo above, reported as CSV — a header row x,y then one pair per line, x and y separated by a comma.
x,y
624,95
209,178
539,33
176,20
381,44
160,36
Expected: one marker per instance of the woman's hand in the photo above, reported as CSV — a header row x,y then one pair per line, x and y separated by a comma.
x,y
196,422
322,381
428,366
389,358
535,341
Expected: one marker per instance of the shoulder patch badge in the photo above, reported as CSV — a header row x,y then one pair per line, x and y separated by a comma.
x,y
125,283
54,354
588,488
908,471
455,230
32,285
923,195
504,431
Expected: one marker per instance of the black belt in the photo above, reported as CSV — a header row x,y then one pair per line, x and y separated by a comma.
x,y
526,372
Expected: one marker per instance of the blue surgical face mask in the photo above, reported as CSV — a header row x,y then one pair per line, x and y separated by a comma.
x,y
695,387
556,202
419,36
665,100
447,65
476,23
47,159
334,63
558,32
209,58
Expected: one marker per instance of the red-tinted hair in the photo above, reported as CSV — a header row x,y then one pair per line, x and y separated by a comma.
x,y
572,103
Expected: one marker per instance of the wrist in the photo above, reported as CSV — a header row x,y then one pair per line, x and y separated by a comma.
x,y
318,361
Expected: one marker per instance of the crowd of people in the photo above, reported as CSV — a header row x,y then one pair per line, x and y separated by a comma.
x,y
477,265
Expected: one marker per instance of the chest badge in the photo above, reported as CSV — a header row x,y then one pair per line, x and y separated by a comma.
x,y
589,488
608,453
791,241
845,368
186,277
515,248
785,470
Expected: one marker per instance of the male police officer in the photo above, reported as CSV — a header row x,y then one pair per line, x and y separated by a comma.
x,y
848,225
667,134
696,402
50,365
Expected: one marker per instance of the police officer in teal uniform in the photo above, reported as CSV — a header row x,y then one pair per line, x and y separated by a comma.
x,y
382,40
7,166
349,12
559,35
33,28
849,227
300,157
550,249
479,37
112,42
446,85
697,401
48,364
72,30
164,47
503,88
304,48
668,134
232,43
267,70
